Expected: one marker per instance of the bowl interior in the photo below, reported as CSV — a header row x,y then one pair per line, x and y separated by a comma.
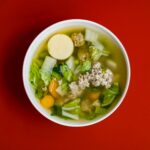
x,y
44,35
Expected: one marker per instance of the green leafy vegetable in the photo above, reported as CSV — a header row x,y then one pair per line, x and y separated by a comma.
x,y
72,109
70,115
95,112
39,93
71,63
73,104
34,74
96,53
86,66
88,115
35,79
57,69
46,77
83,67
56,75
97,44
64,86
109,95
100,110
56,110
47,68
91,35
67,73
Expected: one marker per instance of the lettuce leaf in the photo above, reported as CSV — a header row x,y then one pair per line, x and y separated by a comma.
x,y
56,75
73,103
97,53
64,86
47,68
66,72
109,95
72,109
35,79
56,110
83,67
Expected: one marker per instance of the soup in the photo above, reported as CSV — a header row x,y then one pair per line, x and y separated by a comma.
x,y
78,73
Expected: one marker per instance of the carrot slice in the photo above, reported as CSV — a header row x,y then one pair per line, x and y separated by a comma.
x,y
47,101
52,88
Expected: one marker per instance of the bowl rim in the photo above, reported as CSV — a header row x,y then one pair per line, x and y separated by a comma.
x,y
91,23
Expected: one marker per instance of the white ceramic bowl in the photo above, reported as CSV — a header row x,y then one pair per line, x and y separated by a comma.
x,y
34,46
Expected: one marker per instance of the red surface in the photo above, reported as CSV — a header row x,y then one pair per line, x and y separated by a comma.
x,y
22,127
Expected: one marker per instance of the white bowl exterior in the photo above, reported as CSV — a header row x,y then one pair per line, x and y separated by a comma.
x,y
34,46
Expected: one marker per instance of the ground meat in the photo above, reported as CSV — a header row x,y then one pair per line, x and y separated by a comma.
x,y
84,80
96,77
78,39
96,65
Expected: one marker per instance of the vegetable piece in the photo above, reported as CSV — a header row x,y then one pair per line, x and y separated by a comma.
x,y
77,111
35,79
96,103
96,53
109,95
90,115
72,105
86,66
105,53
83,67
47,68
56,75
91,35
86,105
94,95
98,45
63,88
111,64
56,110
34,74
57,69
67,73
71,63
70,115
78,39
60,46
70,108
100,110
47,101
52,88
60,91
83,54
39,92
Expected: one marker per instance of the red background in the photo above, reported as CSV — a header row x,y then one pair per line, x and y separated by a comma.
x,y
22,127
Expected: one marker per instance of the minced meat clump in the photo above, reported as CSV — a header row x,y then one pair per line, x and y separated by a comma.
x,y
96,77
